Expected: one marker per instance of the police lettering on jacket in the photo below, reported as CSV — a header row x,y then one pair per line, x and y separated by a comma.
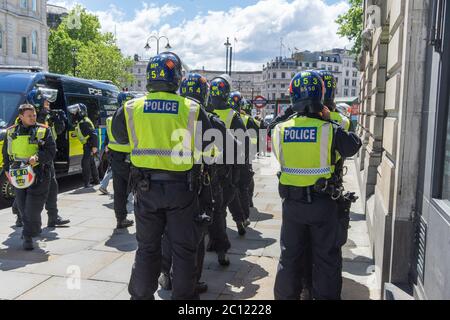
x,y
161,106
300,135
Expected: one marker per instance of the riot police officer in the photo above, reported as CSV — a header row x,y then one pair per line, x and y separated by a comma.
x,y
242,200
56,120
306,146
229,175
87,134
119,155
30,143
162,128
196,87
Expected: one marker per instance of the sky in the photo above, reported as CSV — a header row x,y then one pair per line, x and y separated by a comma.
x,y
198,29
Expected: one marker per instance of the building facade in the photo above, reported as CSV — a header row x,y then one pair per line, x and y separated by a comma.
x,y
404,163
55,14
139,72
23,33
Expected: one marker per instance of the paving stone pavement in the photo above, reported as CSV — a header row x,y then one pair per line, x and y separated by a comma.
x,y
90,260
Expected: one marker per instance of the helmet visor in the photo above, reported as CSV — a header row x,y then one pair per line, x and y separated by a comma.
x,y
49,94
73,109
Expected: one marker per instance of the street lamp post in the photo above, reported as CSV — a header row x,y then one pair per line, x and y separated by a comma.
x,y
157,38
74,61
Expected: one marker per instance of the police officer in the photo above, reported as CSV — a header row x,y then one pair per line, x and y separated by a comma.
x,y
87,134
246,182
306,146
196,87
31,143
229,175
56,120
120,165
161,129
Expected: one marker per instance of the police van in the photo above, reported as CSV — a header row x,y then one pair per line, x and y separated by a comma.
x,y
100,98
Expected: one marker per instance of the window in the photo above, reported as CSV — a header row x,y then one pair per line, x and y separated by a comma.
x,y
336,69
345,92
353,92
355,74
34,5
283,75
273,96
139,70
354,84
139,83
330,68
283,86
1,36
274,86
24,4
283,95
307,64
34,42
24,45
268,86
274,75
346,82
322,66
347,73
314,65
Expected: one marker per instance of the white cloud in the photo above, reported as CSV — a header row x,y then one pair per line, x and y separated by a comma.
x,y
305,24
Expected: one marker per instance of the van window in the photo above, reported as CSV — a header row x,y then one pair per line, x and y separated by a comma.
x,y
9,102
91,104
107,109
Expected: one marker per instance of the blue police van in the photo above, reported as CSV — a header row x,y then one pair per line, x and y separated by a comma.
x,y
100,97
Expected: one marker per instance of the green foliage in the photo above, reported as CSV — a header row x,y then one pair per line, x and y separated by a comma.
x,y
351,24
96,56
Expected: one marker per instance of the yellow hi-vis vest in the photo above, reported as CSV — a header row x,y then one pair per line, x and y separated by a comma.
x,y
113,144
19,147
161,129
303,148
245,119
226,115
83,139
343,121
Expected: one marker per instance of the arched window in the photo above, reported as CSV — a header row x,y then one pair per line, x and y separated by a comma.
x,y
34,42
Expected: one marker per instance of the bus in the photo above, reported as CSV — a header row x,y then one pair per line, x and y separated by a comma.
x,y
100,97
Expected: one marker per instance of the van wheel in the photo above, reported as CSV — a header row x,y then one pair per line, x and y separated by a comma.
x,y
7,190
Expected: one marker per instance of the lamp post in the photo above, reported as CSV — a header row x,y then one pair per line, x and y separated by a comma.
x,y
157,38
74,61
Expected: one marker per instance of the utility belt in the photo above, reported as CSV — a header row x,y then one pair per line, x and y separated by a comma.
x,y
141,179
120,156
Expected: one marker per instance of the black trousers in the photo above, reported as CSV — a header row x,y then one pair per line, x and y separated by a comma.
x,y
305,226
30,203
223,193
171,207
121,176
166,262
51,204
240,205
88,167
251,191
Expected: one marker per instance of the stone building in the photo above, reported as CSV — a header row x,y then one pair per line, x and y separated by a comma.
x,y
23,33
405,160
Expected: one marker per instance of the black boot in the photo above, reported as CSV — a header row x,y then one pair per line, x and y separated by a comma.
x,y
56,222
124,223
19,222
28,243
246,223
241,228
201,287
164,281
223,259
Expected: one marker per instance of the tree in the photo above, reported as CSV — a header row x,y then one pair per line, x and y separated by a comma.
x,y
351,24
96,56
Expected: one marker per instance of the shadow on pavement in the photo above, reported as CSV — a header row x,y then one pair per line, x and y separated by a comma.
x,y
122,240
256,215
83,191
352,290
14,257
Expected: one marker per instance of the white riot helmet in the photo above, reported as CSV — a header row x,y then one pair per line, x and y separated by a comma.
x,y
22,177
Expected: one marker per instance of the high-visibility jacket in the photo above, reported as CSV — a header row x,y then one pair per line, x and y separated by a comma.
x,y
83,139
343,121
19,146
161,130
303,147
226,115
113,144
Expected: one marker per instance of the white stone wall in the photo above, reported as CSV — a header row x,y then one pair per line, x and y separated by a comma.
x,y
17,22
